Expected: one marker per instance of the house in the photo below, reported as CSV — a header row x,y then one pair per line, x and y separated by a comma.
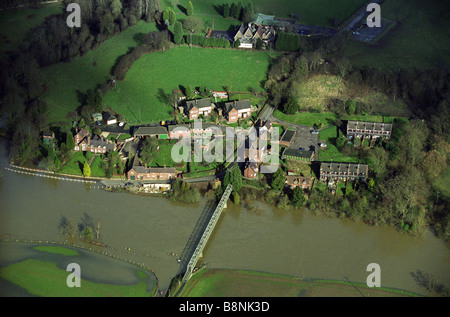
x,y
253,151
178,131
140,172
362,129
109,118
249,34
236,110
343,171
86,143
99,144
263,128
293,181
195,108
250,169
287,137
298,155
97,117
48,137
158,132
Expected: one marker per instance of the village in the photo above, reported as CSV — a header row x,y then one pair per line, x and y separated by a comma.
x,y
298,145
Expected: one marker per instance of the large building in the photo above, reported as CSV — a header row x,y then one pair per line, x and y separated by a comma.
x,y
297,155
248,35
343,171
140,172
362,129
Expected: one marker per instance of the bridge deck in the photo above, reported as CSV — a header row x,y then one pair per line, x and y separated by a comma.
x,y
207,233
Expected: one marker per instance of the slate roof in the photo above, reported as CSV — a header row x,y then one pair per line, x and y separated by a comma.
x,y
298,153
199,103
238,105
143,131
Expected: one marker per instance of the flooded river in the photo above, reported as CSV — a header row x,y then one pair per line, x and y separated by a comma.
x,y
155,231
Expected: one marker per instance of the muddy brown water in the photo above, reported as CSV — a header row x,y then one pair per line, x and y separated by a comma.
x,y
155,231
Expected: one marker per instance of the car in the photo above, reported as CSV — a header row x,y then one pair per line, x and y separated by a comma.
x,y
314,132
302,148
98,123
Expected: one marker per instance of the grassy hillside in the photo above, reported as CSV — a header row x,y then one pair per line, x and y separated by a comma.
x,y
141,96
420,39
86,72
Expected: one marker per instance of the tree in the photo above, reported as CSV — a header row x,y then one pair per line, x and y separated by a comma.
x,y
87,233
291,106
340,142
148,150
169,16
178,32
238,12
236,198
298,198
233,10
226,10
86,169
236,178
189,9
193,25
116,8
278,180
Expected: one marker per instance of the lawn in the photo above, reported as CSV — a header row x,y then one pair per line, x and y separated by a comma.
x,y
237,283
142,96
16,24
420,39
332,153
316,12
46,279
442,183
74,166
86,72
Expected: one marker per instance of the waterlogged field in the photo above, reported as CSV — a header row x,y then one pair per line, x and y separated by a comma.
x,y
43,273
142,96
237,283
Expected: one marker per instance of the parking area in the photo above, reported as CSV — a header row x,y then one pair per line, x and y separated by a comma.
x,y
306,140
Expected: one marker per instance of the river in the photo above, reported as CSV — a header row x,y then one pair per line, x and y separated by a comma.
x,y
155,231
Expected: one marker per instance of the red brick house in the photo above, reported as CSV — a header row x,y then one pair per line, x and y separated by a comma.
x,y
236,110
95,144
197,107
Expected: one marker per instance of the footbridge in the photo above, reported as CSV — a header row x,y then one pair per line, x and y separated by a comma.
x,y
207,233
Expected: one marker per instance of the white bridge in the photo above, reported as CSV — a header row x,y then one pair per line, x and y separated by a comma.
x,y
207,233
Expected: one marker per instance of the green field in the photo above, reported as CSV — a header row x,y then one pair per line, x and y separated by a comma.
x,y
237,283
86,72
316,12
142,96
16,24
420,39
43,278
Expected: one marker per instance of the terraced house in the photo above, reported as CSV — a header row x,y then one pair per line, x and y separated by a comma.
x,y
362,129
140,172
343,171
248,35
